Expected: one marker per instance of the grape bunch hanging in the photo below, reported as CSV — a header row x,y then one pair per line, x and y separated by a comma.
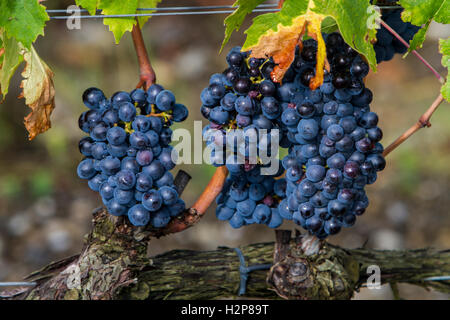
x,y
387,45
128,156
331,135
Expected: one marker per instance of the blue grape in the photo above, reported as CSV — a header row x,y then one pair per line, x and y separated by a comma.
x,y
138,215
180,112
85,146
262,214
116,136
246,207
141,123
85,169
165,100
169,195
177,208
139,140
123,197
153,92
275,219
236,221
115,208
92,98
139,97
152,200
126,179
127,112
95,182
155,170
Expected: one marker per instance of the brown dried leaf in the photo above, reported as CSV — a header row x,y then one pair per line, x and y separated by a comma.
x,y
280,45
39,93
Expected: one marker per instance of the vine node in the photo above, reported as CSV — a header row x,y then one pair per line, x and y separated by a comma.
x,y
424,121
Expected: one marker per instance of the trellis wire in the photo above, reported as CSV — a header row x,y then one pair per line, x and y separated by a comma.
x,y
177,11
187,13
243,270
173,8
17,284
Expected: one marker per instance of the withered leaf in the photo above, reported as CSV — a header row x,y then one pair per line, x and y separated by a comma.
x,y
39,93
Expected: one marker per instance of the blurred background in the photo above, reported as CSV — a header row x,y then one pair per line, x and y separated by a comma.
x,y
45,209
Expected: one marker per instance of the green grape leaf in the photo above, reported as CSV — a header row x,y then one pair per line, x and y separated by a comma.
x,y
12,58
355,20
329,25
146,4
118,26
39,93
422,12
23,19
235,20
418,39
277,34
89,5
444,48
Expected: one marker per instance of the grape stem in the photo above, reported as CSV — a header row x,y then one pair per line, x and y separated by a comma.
x,y
147,74
424,121
198,210
280,4
2,51
422,59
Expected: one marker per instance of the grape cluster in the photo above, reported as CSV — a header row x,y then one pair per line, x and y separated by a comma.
x,y
387,45
127,153
335,148
331,135
243,98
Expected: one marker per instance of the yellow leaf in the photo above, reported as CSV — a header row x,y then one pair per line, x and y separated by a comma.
x,y
280,45
314,30
39,93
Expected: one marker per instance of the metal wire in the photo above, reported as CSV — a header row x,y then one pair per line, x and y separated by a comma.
x,y
176,11
187,13
17,284
439,278
173,8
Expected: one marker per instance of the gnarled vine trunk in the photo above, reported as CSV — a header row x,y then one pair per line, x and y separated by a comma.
x,y
113,265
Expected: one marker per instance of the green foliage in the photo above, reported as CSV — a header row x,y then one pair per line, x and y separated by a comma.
x,y
329,25
11,60
265,23
147,4
23,20
444,48
118,26
422,12
235,20
352,18
89,5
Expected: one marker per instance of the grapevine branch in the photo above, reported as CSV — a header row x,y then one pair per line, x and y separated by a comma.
x,y
424,121
422,59
114,265
147,74
198,210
